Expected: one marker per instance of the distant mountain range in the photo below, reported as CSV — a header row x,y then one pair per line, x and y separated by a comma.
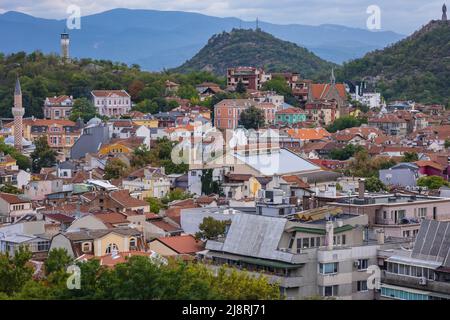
x,y
416,68
159,40
256,48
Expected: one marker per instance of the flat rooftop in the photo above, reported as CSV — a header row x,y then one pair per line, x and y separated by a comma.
x,y
387,199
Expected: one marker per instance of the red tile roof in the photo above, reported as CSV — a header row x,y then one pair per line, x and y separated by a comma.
x,y
12,198
186,244
109,93
124,198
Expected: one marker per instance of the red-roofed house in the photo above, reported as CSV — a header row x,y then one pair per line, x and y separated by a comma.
x,y
58,107
178,245
111,102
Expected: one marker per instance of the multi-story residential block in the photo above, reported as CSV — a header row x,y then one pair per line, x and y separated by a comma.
x,y
290,116
390,123
251,77
307,255
58,107
422,273
399,215
111,102
61,134
227,112
322,112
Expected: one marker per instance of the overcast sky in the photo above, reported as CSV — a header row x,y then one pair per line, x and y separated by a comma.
x,y
403,16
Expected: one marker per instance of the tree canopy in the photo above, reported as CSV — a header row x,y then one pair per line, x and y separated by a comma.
x,y
252,118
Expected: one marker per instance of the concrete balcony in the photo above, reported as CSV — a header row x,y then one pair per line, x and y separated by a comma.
x,y
413,282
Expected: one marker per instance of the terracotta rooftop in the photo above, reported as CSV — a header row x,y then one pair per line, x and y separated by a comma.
x,y
12,198
124,198
109,93
185,244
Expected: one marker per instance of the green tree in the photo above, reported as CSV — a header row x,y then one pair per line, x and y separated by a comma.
x,y
279,85
211,229
84,109
8,188
187,92
14,271
115,168
447,143
155,204
373,184
410,157
343,123
22,161
43,156
240,87
57,261
176,194
141,156
345,153
209,186
432,182
252,118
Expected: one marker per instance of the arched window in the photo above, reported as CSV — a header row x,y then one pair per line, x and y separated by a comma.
x,y
133,243
86,247
111,247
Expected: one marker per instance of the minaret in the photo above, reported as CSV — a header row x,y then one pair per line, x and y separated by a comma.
x,y
18,111
444,12
65,46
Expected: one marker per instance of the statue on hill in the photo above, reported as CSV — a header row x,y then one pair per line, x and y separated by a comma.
x,y
444,12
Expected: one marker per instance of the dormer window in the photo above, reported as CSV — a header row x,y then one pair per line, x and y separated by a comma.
x,y
133,243
86,247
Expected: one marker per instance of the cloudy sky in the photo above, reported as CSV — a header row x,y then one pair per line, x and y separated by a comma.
x,y
402,16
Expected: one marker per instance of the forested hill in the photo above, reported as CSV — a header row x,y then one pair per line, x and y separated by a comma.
x,y
44,76
256,48
416,68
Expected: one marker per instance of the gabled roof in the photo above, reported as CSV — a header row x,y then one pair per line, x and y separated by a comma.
x,y
12,198
123,197
185,244
109,93
308,133
320,90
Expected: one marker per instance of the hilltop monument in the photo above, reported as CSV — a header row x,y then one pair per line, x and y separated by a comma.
x,y
444,12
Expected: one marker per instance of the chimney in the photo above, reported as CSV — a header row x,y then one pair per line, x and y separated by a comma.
x,y
329,228
361,188
380,236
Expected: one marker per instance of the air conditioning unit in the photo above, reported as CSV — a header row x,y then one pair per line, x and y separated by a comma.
x,y
356,263
423,281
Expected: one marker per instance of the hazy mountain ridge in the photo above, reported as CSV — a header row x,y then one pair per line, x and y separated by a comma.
x,y
165,39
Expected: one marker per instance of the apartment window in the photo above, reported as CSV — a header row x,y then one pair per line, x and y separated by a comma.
x,y
361,286
363,264
305,243
328,268
422,213
329,291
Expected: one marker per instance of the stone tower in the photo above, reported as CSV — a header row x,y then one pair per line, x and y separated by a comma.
x,y
65,46
18,111
444,12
